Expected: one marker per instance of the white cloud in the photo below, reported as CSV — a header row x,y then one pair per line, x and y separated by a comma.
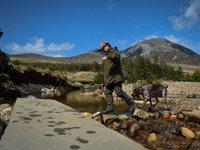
x,y
172,38
55,55
189,17
178,22
38,46
150,36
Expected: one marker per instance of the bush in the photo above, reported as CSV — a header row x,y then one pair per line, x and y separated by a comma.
x,y
99,78
3,77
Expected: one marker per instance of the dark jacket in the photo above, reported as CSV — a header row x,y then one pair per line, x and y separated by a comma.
x,y
112,67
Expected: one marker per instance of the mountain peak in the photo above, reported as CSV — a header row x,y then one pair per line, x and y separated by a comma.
x,y
165,49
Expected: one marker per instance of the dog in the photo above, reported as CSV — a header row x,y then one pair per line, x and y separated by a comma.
x,y
151,91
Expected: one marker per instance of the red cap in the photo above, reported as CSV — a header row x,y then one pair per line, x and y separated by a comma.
x,y
102,45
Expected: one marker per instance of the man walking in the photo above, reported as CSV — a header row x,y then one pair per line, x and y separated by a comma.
x,y
113,78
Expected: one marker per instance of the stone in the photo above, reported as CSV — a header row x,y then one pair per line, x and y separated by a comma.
x,y
181,116
152,137
112,126
166,116
154,127
174,130
123,125
157,114
152,115
5,115
97,114
133,130
2,126
87,114
173,117
98,92
99,119
191,96
198,135
107,118
143,135
187,133
192,115
139,113
123,117
3,106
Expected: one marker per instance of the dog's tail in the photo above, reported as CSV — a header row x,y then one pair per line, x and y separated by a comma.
x,y
166,86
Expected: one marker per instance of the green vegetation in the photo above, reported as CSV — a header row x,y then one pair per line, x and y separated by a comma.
x,y
94,66
3,77
140,68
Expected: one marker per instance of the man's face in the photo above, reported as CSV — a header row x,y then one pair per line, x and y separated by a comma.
x,y
106,48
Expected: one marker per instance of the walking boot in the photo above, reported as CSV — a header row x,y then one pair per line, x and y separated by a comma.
x,y
131,106
111,112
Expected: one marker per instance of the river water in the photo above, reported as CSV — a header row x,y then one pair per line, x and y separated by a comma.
x,y
78,101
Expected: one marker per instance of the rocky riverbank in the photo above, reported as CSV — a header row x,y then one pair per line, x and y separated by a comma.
x,y
158,130
178,128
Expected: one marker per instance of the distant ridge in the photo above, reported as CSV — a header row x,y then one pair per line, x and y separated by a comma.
x,y
165,50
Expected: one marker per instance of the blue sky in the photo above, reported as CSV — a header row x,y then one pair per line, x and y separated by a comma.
x,y
65,28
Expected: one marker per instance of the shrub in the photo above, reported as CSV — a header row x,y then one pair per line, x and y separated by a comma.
x,y
4,77
98,79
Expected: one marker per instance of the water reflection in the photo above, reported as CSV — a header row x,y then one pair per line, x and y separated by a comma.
x,y
77,101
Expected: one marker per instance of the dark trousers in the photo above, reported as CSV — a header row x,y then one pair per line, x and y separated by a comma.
x,y
120,93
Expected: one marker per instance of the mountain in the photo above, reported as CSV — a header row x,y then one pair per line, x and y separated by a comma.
x,y
93,55
165,50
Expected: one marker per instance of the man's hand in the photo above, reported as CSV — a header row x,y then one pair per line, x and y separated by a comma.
x,y
104,58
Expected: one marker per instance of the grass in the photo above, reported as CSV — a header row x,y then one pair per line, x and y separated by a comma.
x,y
82,76
186,68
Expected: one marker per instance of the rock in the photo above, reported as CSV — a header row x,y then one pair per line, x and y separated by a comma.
x,y
123,117
2,128
181,116
7,110
143,135
107,118
123,125
132,119
133,130
5,115
99,119
173,117
157,114
166,116
154,127
139,113
191,96
181,144
174,130
97,114
9,90
31,97
193,115
112,126
198,135
152,137
87,114
3,106
98,92
187,133
152,115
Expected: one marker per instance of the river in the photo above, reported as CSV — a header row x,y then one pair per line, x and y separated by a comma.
x,y
77,101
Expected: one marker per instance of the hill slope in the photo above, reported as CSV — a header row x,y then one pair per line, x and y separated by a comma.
x,y
165,50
